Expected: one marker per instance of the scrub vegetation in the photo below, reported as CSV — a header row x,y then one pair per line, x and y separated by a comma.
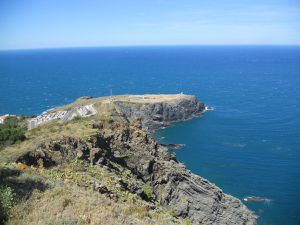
x,y
12,131
69,193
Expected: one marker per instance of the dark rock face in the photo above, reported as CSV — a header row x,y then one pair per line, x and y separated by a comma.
x,y
158,115
176,188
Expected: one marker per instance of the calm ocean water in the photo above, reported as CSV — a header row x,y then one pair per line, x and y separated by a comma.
x,y
250,143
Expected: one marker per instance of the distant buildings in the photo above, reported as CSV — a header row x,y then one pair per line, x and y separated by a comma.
x,y
87,110
81,111
3,118
46,117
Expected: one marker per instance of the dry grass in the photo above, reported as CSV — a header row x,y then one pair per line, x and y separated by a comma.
x,y
76,128
72,205
150,98
69,199
147,98
78,102
66,194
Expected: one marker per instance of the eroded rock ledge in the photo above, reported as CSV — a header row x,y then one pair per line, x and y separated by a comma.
x,y
129,146
161,112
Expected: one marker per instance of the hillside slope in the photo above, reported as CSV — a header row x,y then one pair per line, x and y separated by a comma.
x,y
111,158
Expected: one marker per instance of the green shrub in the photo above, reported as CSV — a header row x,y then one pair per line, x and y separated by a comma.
x,y
187,222
12,131
6,202
173,213
77,118
147,191
107,118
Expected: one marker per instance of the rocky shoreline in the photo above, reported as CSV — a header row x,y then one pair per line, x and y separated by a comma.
x,y
126,142
161,114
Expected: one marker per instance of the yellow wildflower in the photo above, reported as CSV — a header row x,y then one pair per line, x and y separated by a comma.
x,y
21,166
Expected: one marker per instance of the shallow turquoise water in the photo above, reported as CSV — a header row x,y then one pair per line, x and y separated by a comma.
x,y
249,145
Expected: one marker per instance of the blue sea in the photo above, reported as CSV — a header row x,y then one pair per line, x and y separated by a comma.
x,y
249,145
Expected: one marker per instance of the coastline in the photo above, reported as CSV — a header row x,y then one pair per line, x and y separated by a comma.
x,y
124,137
239,146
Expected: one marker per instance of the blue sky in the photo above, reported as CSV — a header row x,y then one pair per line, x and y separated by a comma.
x,y
78,23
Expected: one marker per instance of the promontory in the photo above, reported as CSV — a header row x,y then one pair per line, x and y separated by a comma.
x,y
95,161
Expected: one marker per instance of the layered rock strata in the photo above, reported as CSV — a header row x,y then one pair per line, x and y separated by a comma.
x,y
129,146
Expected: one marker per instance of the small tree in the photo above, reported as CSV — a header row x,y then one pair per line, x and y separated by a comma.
x,y
6,202
11,131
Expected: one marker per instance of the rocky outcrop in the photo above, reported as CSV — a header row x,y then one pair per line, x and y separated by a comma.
x,y
155,115
128,145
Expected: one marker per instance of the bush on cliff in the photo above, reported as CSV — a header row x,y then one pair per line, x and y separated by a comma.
x,y
6,202
11,131
147,191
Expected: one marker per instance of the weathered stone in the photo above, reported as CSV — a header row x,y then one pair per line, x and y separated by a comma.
x,y
128,145
157,115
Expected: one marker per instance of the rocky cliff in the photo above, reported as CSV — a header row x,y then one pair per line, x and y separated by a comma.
x,y
160,113
117,145
114,154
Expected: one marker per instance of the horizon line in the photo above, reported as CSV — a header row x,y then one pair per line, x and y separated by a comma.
x,y
158,45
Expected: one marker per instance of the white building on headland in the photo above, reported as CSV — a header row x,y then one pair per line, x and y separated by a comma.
x,y
45,117
81,111
3,118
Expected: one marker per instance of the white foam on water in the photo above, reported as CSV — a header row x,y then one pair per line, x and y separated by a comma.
x,y
209,108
